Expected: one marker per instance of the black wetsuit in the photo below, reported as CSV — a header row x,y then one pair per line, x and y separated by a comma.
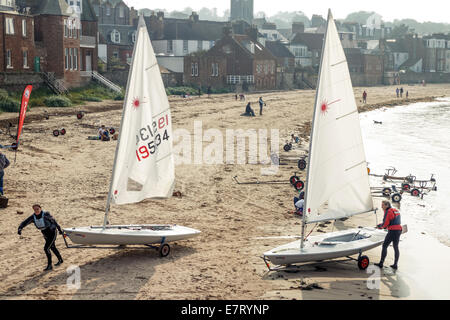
x,y
48,231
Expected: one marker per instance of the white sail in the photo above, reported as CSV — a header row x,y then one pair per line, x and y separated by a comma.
x,y
338,182
144,163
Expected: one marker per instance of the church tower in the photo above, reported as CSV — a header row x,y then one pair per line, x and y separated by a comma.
x,y
241,10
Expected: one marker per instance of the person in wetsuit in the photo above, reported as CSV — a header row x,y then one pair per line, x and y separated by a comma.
x,y
48,225
392,222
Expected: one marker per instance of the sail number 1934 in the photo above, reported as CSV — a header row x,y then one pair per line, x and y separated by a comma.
x,y
153,136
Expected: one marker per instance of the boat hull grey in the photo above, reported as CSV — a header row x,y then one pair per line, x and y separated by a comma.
x,y
329,246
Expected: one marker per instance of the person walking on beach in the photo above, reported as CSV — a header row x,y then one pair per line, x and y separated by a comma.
x,y
391,221
48,225
398,92
401,92
4,163
364,97
261,104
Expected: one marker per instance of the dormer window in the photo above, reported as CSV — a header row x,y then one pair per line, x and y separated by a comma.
x,y
115,36
133,37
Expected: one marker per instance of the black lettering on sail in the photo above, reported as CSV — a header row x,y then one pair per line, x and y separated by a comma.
x,y
133,185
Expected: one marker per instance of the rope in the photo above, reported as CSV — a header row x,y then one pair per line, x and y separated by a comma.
x,y
310,232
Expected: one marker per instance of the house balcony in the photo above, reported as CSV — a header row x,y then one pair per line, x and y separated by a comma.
x,y
88,42
240,79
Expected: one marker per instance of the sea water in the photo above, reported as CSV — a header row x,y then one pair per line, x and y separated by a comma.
x,y
415,139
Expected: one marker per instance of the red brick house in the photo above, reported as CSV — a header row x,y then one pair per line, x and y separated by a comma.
x,y
235,60
51,38
17,49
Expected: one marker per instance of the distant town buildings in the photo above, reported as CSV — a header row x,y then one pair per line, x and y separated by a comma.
x,y
63,43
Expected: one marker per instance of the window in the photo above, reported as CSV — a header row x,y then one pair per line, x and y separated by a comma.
x,y
194,69
24,27
185,46
199,45
108,10
71,59
9,25
211,44
215,69
116,54
121,12
169,46
25,59
66,29
75,59
8,59
66,60
133,37
115,36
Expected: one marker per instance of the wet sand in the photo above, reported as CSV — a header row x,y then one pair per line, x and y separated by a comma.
x,y
69,176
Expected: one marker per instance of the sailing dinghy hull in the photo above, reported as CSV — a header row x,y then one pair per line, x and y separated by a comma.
x,y
328,246
130,235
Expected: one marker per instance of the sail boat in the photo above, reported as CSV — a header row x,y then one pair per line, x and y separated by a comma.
x,y
144,162
337,183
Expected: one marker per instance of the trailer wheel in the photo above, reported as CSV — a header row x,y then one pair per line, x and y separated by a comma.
x,y
406,186
302,164
56,133
14,146
79,115
363,262
397,197
112,130
386,192
63,131
293,180
287,147
415,192
299,185
164,250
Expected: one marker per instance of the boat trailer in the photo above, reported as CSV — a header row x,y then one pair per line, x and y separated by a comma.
x,y
163,248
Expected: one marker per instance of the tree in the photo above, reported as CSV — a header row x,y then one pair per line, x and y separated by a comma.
x,y
399,31
359,17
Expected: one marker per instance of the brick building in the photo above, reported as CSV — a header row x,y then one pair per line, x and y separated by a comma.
x,y
17,50
235,60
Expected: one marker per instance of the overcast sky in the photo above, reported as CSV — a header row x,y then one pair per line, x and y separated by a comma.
x,y
419,10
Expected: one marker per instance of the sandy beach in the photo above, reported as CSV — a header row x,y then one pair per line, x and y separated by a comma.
x,y
69,176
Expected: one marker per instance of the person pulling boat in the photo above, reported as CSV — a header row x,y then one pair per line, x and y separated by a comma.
x,y
392,222
48,225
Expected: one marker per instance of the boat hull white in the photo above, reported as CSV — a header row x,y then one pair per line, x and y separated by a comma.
x,y
328,246
130,235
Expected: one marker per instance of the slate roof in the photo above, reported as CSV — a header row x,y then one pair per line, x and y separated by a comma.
x,y
278,49
126,32
53,7
409,63
184,29
396,46
88,13
313,41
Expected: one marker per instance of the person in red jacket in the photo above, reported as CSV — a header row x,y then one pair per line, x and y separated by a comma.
x,y
392,222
